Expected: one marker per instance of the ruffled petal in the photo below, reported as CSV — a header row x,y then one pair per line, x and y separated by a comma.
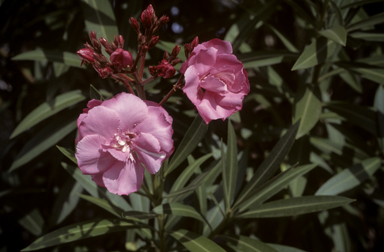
x,y
130,108
149,152
90,156
158,124
222,46
214,84
210,110
124,177
204,60
119,154
100,121
191,88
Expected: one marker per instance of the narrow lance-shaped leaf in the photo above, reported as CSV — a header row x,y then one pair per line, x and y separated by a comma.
x,y
350,178
48,109
336,33
33,221
79,231
103,204
379,105
230,167
191,139
246,244
307,107
194,242
317,52
373,20
295,206
69,153
270,164
67,58
178,209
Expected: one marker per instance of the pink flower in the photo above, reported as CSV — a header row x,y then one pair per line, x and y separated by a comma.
x,y
121,57
119,137
215,80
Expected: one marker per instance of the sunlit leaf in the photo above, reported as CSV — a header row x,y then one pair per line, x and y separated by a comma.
x,y
307,109
295,206
48,109
79,231
33,221
336,33
191,139
317,52
194,242
350,178
67,58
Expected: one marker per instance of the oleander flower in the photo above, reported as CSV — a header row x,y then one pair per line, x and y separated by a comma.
x,y
215,80
119,137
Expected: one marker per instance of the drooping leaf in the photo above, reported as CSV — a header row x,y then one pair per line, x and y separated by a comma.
x,y
48,109
100,18
295,206
246,244
307,109
273,186
43,140
79,231
33,221
191,139
67,58
350,178
178,209
317,52
270,164
194,242
336,33
230,168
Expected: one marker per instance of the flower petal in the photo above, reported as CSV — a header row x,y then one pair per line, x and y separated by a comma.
x,y
100,121
159,124
204,60
124,177
149,152
222,46
90,156
209,109
191,88
130,108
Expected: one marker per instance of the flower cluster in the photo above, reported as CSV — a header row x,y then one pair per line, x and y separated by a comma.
x,y
119,138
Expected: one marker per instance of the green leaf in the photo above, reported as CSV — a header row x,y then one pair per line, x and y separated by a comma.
x,y
283,248
270,164
191,139
295,206
178,210
33,222
373,74
361,116
183,178
317,52
230,168
373,20
307,109
336,33
273,186
99,17
355,4
79,231
102,203
283,39
66,201
136,215
297,186
350,178
194,242
379,105
69,153
67,58
48,109
246,244
369,36
95,94
43,140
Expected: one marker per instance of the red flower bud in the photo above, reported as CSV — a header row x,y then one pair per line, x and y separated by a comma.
x,y
135,24
103,72
152,70
86,55
146,16
92,35
175,51
165,69
122,58
194,43
163,20
154,40
105,43
120,40
96,45
166,55
175,62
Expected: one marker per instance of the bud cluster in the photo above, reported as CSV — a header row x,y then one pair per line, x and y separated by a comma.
x,y
188,48
166,67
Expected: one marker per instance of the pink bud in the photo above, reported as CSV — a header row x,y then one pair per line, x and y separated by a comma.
x,y
92,35
194,43
163,20
146,16
105,43
103,72
122,57
165,69
121,41
135,24
86,54
154,40
175,51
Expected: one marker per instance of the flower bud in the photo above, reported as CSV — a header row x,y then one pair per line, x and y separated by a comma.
x,y
163,20
103,72
92,35
165,69
146,16
100,58
96,45
120,40
194,43
109,51
86,55
152,70
122,58
175,51
88,46
135,24
175,62
105,43
187,50
166,55
154,40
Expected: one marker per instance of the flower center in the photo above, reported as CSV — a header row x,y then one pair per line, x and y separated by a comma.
x,y
123,141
